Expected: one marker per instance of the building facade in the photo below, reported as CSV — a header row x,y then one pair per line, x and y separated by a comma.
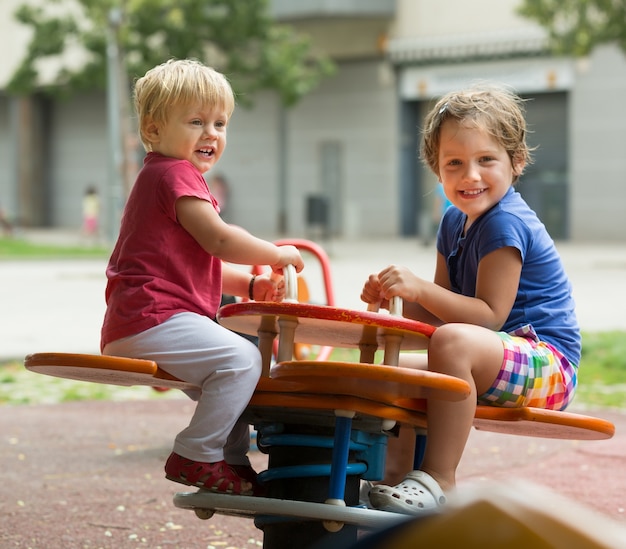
x,y
352,144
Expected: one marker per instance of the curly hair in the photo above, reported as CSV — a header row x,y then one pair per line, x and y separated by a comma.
x,y
495,110
179,82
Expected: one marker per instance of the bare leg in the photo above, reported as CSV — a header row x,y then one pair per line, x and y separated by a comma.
x,y
465,351
471,353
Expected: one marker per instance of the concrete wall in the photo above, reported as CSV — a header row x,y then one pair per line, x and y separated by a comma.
x,y
598,146
343,139
424,18
80,153
355,109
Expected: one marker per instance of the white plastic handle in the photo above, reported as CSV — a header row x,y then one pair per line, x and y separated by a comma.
x,y
291,284
395,306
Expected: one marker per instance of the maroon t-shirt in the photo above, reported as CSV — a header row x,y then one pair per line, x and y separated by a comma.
x,y
157,269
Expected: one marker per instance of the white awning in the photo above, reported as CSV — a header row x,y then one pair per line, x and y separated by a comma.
x,y
485,45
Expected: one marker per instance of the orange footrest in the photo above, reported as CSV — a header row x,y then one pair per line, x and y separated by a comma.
x,y
112,370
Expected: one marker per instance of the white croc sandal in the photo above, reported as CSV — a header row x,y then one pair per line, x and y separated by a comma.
x,y
418,492
364,494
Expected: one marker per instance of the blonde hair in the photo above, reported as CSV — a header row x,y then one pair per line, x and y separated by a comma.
x,y
495,110
179,82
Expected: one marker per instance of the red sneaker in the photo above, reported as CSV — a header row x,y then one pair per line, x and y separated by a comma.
x,y
217,477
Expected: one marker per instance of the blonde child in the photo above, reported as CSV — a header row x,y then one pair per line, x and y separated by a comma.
x,y
500,295
166,274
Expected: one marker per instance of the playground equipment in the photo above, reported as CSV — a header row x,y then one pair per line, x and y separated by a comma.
x,y
323,424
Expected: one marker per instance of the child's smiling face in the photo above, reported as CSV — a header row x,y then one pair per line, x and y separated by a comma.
x,y
476,170
195,133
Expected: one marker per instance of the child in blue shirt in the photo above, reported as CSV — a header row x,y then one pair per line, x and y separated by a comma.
x,y
500,296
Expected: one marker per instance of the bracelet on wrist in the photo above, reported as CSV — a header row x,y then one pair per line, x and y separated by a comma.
x,y
251,288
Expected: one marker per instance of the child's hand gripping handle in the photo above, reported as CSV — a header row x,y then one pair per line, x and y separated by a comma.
x,y
291,283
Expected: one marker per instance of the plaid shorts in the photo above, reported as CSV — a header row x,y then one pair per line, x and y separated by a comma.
x,y
533,373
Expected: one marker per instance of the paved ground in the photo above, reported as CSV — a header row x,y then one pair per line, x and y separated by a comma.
x,y
89,474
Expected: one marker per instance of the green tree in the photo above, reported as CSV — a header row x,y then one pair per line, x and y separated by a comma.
x,y
575,27
237,37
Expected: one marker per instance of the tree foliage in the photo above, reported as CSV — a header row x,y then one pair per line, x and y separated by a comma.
x,y
576,26
235,36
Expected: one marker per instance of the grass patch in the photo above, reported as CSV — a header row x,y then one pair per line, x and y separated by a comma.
x,y
17,248
602,379
604,358
602,371
19,386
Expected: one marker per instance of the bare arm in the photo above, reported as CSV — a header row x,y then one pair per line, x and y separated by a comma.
x,y
235,281
372,293
496,289
416,311
228,242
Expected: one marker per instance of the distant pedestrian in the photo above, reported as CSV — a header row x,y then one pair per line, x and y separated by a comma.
x,y
5,224
91,213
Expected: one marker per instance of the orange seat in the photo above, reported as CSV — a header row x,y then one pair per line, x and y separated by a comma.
x,y
389,384
287,402
112,370
328,386
379,391
537,422
406,388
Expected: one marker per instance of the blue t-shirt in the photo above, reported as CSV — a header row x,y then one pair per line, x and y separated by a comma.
x,y
544,297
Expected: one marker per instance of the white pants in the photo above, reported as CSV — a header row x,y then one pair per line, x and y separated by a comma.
x,y
223,364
